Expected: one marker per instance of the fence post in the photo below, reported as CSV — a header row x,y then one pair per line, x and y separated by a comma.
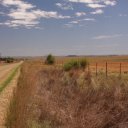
x,y
120,69
106,69
96,69
88,68
62,62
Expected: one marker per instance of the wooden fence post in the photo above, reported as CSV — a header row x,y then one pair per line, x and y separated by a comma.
x,y
106,69
120,69
96,69
62,62
88,68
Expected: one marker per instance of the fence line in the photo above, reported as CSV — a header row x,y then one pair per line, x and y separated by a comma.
x,y
108,68
104,67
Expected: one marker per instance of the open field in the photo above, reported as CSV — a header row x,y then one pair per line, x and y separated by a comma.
x,y
94,59
63,63
49,97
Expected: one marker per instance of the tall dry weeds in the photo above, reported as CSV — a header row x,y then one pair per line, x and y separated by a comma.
x,y
52,98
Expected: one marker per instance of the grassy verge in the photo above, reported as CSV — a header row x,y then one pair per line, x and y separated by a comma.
x,y
19,114
8,80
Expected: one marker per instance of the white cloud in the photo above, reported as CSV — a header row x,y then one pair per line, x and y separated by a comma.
x,y
78,14
74,22
98,11
123,15
45,14
110,2
96,5
78,22
107,2
17,23
18,3
25,14
107,36
64,6
86,19
81,20
89,19
84,1
22,15
68,25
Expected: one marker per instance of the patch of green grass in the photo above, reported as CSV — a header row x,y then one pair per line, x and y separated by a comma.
x,y
8,80
34,124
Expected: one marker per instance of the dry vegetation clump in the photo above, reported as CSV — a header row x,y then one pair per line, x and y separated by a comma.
x,y
72,100
53,98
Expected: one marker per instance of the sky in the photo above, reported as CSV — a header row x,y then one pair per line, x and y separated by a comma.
x,y
63,27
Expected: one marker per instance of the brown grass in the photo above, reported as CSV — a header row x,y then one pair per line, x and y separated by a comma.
x,y
23,95
51,98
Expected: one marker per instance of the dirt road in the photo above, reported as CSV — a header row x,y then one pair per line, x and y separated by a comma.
x,y
6,94
5,71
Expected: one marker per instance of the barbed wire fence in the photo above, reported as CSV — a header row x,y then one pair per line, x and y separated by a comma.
x,y
107,68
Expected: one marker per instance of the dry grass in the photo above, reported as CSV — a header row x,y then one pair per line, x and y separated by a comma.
x,y
51,98
22,96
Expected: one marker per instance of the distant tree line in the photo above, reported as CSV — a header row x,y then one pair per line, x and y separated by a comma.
x,y
7,59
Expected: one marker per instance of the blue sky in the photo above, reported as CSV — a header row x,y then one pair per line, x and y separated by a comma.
x,y
63,27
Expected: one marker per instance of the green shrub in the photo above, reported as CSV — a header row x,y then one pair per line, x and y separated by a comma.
x,y
67,66
50,59
83,63
71,65
75,64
